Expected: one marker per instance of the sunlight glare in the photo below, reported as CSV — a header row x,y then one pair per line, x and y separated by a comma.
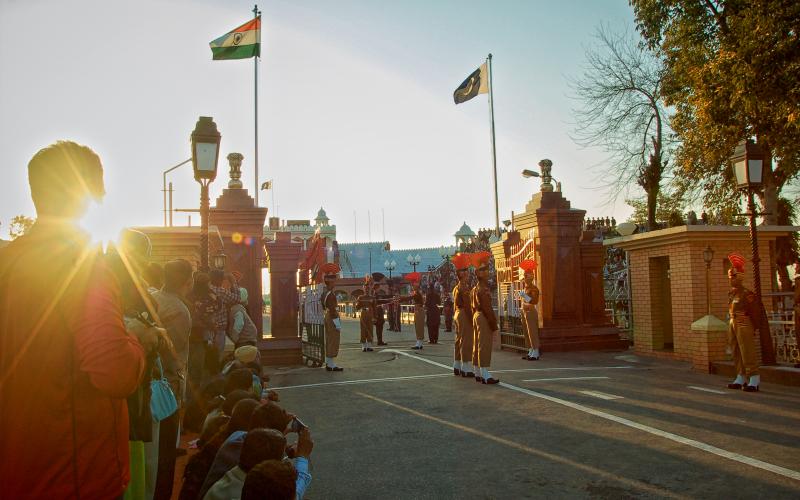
x,y
100,225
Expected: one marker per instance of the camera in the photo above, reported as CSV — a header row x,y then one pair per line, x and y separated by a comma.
x,y
296,425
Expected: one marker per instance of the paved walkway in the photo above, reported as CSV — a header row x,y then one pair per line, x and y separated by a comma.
x,y
397,424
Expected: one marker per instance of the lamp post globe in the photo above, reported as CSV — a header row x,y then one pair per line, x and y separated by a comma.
x,y
219,260
205,140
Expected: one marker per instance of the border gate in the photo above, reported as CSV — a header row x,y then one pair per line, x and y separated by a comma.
x,y
312,324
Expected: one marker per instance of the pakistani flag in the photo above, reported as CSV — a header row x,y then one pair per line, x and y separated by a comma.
x,y
242,43
476,83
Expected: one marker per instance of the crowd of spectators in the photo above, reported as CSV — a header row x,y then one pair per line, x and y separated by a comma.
x,y
107,358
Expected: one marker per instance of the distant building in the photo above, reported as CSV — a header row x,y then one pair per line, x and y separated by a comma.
x,y
359,259
301,229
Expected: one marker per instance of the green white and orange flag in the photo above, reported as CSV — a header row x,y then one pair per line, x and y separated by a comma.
x,y
241,43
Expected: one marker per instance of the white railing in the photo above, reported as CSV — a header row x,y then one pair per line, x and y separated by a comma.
x,y
781,328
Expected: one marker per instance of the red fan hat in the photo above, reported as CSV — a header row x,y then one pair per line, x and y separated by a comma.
x,y
330,269
413,278
481,260
528,265
461,261
737,262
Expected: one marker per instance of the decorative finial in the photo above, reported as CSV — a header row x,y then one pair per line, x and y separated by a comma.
x,y
546,165
235,161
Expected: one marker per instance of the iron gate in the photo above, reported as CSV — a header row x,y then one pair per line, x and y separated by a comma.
x,y
312,324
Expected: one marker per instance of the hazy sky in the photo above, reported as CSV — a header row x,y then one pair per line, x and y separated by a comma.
x,y
356,109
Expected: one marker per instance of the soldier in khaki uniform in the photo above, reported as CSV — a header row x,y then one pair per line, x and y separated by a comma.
x,y
462,319
418,300
744,314
530,316
333,325
484,321
366,304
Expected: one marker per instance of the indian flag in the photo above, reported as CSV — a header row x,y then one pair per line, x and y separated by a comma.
x,y
241,43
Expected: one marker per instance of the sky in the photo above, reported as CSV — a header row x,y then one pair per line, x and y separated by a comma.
x,y
356,113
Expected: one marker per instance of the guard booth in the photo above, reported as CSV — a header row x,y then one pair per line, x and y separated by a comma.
x,y
311,316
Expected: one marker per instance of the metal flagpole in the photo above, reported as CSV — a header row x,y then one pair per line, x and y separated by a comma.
x,y
256,186
494,155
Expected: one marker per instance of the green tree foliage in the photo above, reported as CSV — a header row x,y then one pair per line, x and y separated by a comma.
x,y
19,226
622,111
732,70
670,210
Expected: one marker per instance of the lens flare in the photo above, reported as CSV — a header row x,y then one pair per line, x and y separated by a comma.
x,y
101,226
237,238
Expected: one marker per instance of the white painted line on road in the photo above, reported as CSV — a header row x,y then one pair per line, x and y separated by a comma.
x,y
713,391
736,457
601,395
569,368
560,378
363,381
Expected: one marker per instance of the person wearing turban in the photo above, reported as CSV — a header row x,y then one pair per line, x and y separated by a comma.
x,y
530,317
419,306
462,319
744,314
484,320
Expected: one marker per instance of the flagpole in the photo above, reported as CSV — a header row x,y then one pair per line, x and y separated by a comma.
x,y
255,73
494,154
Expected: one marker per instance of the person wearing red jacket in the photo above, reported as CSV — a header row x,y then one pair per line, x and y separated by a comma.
x,y
66,360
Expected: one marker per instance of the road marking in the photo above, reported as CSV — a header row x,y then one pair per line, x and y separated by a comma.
x,y
713,391
736,457
363,381
568,368
601,395
633,483
561,378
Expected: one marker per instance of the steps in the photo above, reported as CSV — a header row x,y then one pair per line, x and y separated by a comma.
x,y
774,374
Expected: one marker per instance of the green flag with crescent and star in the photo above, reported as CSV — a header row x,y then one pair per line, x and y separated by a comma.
x,y
476,83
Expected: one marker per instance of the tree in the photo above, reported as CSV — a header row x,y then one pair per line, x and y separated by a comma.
x,y
732,71
670,210
623,112
20,225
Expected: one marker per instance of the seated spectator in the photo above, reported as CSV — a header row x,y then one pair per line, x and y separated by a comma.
x,y
214,426
225,404
270,480
153,275
259,445
243,379
267,416
199,464
241,329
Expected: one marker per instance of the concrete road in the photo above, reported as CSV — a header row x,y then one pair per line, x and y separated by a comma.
x,y
397,424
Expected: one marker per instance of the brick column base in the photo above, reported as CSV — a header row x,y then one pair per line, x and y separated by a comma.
x,y
707,344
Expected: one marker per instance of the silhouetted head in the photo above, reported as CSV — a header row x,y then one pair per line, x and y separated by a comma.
x,y
270,480
260,445
63,178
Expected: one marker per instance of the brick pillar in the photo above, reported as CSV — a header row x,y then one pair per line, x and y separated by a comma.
x,y
283,346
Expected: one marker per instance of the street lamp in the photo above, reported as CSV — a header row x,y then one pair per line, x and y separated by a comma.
x,y
446,252
708,257
205,141
748,169
532,173
414,260
390,266
219,260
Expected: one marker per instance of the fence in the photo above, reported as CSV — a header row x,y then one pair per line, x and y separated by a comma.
x,y
781,328
311,324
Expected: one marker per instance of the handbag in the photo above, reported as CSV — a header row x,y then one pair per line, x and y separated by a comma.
x,y
162,399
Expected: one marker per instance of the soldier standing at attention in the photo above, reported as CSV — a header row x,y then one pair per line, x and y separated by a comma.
x,y
366,303
418,300
333,325
462,320
530,317
743,307
484,320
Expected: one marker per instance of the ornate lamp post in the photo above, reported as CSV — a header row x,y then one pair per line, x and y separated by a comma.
x,y
390,266
748,169
205,153
414,260
708,257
